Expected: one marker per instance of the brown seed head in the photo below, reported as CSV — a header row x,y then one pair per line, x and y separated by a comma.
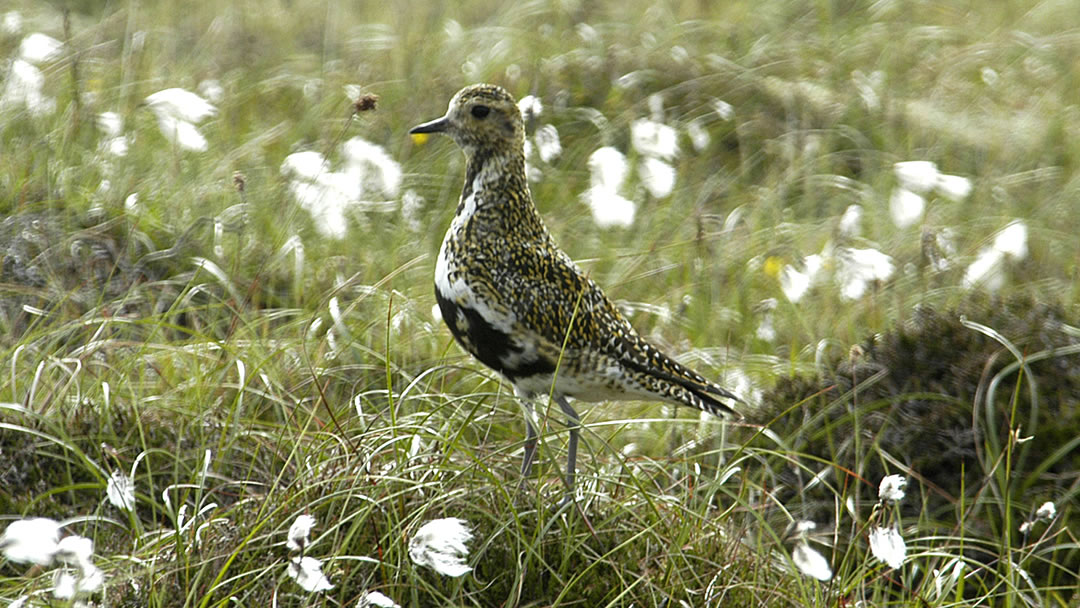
x,y
365,103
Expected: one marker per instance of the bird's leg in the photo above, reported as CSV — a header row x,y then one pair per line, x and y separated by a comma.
x,y
530,445
571,457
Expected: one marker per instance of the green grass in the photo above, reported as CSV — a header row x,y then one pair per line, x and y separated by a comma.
x,y
272,382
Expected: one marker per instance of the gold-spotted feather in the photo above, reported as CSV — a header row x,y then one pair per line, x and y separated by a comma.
x,y
520,305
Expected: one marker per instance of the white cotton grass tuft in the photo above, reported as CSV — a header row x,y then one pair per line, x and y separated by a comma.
x,y
607,170
853,271
953,187
370,164
795,282
888,546
1012,240
177,111
891,488
326,203
918,177
34,540
1046,511
23,88
807,559
412,204
376,599
75,550
988,269
212,90
37,541
810,562
655,139
112,125
766,330
657,176
182,133
723,109
368,172
346,184
120,491
856,269
181,104
299,532
11,23
440,545
307,572
91,579
307,165
533,174
40,48
609,208
548,145
851,222
656,106
530,107
698,134
906,207
63,585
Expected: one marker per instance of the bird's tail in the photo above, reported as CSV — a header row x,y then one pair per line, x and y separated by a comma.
x,y
674,381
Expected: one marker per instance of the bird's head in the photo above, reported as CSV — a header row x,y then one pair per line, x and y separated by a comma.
x,y
482,118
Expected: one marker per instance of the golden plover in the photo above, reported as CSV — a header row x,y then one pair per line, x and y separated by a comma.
x,y
520,305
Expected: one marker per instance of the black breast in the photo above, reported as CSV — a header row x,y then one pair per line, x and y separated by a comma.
x,y
493,347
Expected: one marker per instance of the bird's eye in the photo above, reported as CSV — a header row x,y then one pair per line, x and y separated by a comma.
x,y
480,111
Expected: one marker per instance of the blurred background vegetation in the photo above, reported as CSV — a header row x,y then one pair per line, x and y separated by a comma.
x,y
210,313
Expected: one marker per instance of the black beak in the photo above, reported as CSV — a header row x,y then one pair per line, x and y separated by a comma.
x,y
435,126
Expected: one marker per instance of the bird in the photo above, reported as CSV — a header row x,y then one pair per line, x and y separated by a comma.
x,y
520,305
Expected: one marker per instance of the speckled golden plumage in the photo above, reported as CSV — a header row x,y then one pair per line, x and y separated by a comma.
x,y
519,304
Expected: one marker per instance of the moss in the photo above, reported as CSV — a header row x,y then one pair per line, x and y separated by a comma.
x,y
918,394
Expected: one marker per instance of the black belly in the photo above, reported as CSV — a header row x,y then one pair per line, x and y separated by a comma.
x,y
493,347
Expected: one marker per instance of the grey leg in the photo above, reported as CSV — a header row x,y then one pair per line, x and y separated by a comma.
x,y
530,444
530,441
571,457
